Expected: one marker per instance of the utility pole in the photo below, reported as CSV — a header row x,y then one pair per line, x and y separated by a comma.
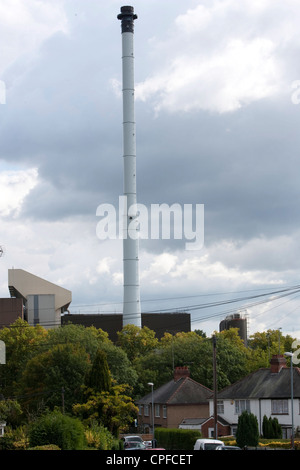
x,y
215,387
63,399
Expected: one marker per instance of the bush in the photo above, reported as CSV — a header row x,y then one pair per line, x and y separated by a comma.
x,y
45,447
177,439
247,431
57,429
271,428
14,439
98,437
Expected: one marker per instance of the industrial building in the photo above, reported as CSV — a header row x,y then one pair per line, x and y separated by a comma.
x,y
236,320
43,302
160,323
38,301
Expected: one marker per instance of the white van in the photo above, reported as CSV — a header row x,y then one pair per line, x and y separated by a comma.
x,y
207,444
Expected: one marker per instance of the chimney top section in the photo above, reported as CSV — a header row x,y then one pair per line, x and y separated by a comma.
x,y
277,363
127,17
181,372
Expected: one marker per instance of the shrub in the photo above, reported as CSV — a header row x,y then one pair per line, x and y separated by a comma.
x,y
177,439
247,433
14,439
55,428
98,437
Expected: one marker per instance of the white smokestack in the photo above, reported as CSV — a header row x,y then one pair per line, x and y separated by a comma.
x,y
131,296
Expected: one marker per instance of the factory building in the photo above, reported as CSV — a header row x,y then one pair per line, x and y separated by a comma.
x,y
236,320
43,302
38,301
160,323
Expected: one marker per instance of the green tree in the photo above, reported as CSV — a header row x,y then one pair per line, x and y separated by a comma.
x,y
58,429
11,412
136,341
112,409
196,352
21,342
122,371
247,433
55,377
271,428
99,377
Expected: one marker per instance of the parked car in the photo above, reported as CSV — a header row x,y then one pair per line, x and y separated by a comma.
x,y
132,442
134,445
207,444
228,448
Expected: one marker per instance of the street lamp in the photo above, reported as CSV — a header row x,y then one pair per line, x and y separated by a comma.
x,y
152,410
289,354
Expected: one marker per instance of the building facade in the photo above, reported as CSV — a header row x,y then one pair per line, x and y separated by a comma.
x,y
179,399
266,391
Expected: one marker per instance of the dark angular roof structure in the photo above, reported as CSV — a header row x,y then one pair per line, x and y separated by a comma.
x,y
271,383
182,390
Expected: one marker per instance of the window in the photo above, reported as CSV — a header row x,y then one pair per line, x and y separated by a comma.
x,y
242,405
146,410
220,407
140,410
164,411
280,407
157,411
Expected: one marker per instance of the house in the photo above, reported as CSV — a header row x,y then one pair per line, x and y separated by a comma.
x,y
266,391
179,399
2,427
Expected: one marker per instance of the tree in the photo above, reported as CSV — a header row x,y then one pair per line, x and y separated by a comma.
x,y
55,377
11,412
271,428
99,378
58,429
112,409
21,342
247,433
136,341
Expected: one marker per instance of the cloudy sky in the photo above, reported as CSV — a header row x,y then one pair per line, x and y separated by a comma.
x,y
218,123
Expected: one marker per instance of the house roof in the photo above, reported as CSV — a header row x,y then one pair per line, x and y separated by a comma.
x,y
178,392
264,384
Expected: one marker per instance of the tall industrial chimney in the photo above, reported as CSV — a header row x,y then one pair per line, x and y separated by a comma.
x,y
131,295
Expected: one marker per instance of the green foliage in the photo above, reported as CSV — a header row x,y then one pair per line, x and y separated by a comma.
x,y
57,429
45,447
176,439
21,342
271,428
99,378
98,437
14,439
113,408
10,412
136,341
247,431
63,367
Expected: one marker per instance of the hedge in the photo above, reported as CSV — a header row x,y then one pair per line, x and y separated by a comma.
x,y
57,429
176,439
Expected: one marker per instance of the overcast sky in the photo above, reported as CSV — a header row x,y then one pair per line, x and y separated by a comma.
x,y
218,123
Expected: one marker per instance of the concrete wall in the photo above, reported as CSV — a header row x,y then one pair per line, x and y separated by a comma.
x,y
41,310
10,310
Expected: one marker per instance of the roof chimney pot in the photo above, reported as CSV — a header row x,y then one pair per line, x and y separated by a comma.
x,y
181,372
277,363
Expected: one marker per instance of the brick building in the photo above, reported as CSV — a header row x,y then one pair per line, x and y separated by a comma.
x,y
180,398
